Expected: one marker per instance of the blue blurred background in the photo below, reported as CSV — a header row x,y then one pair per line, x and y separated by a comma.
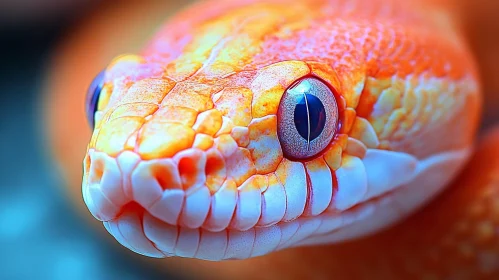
x,y
41,234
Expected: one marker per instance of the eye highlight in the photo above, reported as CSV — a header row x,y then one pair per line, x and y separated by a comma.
x,y
307,118
92,98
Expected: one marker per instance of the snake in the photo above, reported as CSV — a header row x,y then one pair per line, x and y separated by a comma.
x,y
247,128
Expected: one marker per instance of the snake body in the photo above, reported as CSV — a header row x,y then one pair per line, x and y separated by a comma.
x,y
188,156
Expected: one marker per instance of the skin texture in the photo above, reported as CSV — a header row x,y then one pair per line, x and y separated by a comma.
x,y
433,244
392,243
190,151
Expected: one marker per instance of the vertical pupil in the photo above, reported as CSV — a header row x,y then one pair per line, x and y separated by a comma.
x,y
309,107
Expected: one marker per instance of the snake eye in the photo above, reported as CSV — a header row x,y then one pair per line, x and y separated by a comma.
x,y
307,118
93,97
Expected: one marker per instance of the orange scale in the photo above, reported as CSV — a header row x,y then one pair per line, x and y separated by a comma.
x,y
208,122
264,144
240,166
192,95
191,166
203,141
175,114
341,140
240,135
271,82
148,91
114,134
159,140
349,116
133,110
226,145
216,171
325,72
235,103
333,156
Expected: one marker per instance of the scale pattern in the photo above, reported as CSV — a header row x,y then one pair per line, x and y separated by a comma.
x,y
185,159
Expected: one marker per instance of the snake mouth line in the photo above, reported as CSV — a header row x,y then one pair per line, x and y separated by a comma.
x,y
143,231
139,231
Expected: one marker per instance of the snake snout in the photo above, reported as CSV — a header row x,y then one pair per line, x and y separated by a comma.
x,y
183,205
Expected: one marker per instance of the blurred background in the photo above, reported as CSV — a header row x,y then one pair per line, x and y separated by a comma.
x,y
43,235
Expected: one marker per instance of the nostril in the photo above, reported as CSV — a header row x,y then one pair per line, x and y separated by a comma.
x,y
191,167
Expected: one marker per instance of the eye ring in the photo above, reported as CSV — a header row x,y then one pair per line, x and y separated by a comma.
x,y
307,118
92,97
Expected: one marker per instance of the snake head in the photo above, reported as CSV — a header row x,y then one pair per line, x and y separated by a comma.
x,y
258,127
